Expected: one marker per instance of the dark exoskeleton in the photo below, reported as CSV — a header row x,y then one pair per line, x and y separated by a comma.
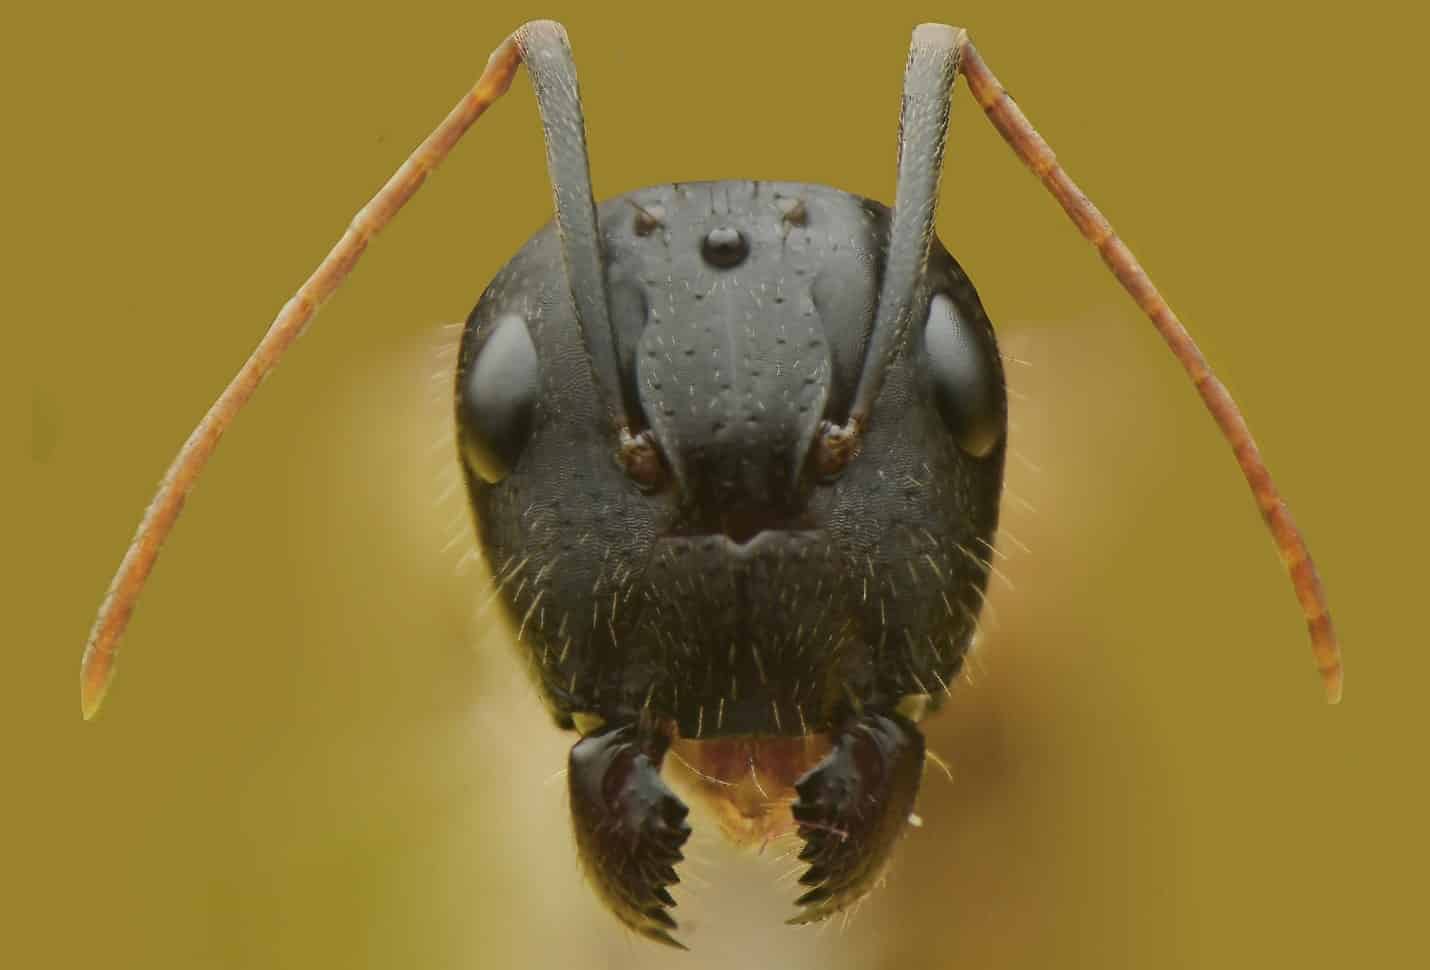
x,y
735,452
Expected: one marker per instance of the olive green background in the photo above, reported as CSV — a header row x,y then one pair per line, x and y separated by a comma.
x,y
319,754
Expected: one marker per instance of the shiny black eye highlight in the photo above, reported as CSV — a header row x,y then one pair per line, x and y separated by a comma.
x,y
965,381
496,400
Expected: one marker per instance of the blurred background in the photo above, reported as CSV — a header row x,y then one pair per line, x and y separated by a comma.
x,y
319,752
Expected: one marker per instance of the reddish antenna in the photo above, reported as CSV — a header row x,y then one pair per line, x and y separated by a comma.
x,y
1030,146
100,653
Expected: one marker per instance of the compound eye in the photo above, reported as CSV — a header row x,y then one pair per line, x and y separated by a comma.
x,y
496,401
966,384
